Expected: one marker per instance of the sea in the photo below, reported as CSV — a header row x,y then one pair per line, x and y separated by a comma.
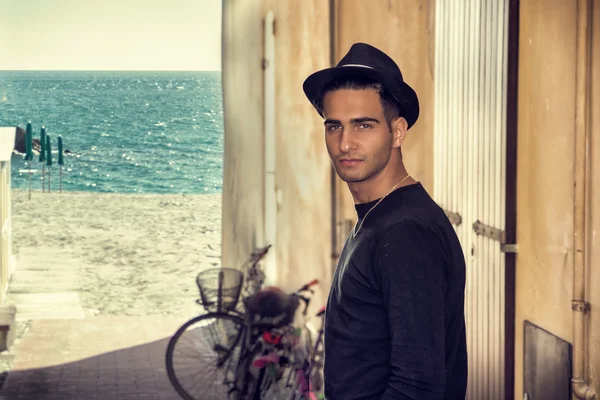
x,y
125,132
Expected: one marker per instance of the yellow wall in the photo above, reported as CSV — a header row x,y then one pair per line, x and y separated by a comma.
x,y
545,176
302,46
303,245
405,30
593,232
303,228
243,119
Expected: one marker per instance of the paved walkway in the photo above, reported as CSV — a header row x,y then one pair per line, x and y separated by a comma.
x,y
70,354
108,358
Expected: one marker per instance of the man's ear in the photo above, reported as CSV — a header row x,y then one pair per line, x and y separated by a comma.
x,y
399,128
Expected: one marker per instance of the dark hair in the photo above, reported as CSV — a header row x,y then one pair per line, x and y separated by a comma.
x,y
391,109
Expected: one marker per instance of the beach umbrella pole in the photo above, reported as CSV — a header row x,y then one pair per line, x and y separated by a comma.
x,y
29,173
61,160
43,156
48,159
29,152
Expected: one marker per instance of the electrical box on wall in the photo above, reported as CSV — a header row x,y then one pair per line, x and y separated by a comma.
x,y
546,365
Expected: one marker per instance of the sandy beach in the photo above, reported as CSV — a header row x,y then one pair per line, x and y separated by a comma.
x,y
136,254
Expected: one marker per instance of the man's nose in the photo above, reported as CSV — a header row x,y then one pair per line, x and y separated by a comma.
x,y
347,143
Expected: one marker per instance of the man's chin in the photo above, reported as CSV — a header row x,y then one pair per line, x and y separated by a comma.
x,y
349,175
350,179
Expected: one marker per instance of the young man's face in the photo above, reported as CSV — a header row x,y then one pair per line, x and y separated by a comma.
x,y
357,135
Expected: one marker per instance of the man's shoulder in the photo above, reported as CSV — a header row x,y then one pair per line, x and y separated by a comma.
x,y
408,226
425,215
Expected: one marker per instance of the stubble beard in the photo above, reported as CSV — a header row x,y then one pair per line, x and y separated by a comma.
x,y
371,166
366,172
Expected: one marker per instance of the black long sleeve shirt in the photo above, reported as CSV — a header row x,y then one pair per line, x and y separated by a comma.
x,y
394,326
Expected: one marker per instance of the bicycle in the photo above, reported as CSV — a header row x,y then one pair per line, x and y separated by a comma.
x,y
285,360
316,361
224,342
203,355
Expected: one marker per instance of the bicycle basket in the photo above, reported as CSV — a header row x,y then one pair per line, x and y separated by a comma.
x,y
220,288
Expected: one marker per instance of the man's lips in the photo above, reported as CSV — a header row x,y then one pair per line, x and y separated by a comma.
x,y
350,162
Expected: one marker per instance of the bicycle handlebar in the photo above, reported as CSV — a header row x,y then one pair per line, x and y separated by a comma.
x,y
306,288
260,253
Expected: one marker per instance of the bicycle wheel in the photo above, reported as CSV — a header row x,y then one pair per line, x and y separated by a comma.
x,y
272,384
202,355
316,364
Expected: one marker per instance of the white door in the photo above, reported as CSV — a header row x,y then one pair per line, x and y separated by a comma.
x,y
469,178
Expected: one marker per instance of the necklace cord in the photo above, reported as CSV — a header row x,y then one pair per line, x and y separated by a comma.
x,y
376,204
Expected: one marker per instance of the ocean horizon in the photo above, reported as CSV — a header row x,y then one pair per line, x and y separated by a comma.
x,y
126,131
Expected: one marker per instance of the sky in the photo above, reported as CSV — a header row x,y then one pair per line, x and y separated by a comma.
x,y
118,35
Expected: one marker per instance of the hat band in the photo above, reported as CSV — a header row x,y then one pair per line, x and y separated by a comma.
x,y
356,65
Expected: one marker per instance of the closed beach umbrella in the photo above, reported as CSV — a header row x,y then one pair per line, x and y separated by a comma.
x,y
43,145
48,158
48,151
43,155
61,160
29,151
28,143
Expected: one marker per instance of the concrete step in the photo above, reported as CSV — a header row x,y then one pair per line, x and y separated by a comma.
x,y
47,305
44,287
32,281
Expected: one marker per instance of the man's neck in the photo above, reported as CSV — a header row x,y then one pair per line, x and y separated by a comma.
x,y
364,192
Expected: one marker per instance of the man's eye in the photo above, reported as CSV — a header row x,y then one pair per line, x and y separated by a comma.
x,y
333,127
366,126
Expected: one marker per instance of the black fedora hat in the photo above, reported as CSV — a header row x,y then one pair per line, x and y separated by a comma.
x,y
366,60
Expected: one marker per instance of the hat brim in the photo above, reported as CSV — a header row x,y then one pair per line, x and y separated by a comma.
x,y
405,95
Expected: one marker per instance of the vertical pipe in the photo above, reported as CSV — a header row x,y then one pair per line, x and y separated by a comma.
x,y
332,173
464,121
512,90
465,89
500,193
454,108
494,150
492,51
479,283
581,387
436,102
270,198
469,211
4,233
445,104
485,270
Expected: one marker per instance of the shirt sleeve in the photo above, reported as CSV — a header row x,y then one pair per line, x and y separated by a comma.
x,y
411,270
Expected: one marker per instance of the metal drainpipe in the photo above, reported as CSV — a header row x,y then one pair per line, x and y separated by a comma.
x,y
581,387
334,221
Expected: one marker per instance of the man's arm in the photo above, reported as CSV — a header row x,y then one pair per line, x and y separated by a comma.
x,y
412,273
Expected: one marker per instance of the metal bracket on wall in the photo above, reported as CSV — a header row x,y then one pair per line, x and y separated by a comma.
x,y
495,234
455,218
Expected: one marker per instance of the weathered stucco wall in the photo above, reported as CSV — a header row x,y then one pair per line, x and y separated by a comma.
x,y
545,177
302,46
593,231
242,205
303,229
405,30
302,165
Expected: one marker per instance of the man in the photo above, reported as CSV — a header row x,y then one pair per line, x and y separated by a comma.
x,y
395,316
